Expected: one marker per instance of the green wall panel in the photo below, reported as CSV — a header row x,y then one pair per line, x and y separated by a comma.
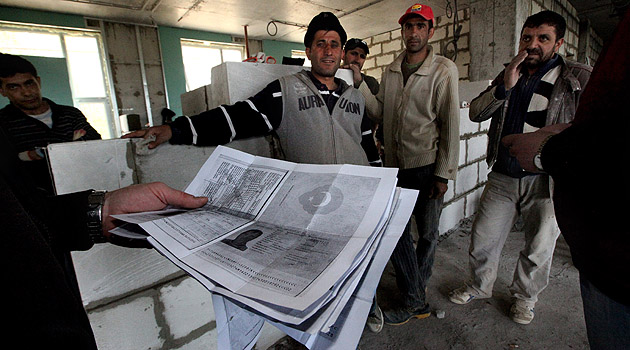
x,y
40,17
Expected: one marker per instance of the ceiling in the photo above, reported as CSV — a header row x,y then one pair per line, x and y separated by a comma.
x,y
364,17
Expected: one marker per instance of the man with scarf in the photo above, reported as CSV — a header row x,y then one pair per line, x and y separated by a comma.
x,y
537,88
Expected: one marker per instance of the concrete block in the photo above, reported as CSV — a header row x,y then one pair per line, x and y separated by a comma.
x,y
177,165
463,42
463,70
484,126
128,326
452,214
465,125
470,89
461,14
381,37
465,27
106,167
472,201
462,152
197,100
439,34
466,179
384,60
375,49
392,46
187,307
477,146
369,63
207,341
107,272
450,192
396,34
228,79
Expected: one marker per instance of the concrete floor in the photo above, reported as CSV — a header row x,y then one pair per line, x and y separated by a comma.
x,y
483,324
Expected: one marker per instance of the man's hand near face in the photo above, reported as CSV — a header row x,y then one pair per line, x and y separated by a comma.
x,y
513,70
356,73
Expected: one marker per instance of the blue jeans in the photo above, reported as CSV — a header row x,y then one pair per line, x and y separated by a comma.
x,y
413,268
607,321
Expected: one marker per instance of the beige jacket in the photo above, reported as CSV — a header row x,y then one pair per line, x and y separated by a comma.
x,y
421,119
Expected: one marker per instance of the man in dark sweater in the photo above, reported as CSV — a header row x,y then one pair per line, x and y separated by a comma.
x,y
32,121
356,51
590,208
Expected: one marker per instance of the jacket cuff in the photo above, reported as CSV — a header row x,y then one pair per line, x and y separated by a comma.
x,y
181,133
440,179
500,93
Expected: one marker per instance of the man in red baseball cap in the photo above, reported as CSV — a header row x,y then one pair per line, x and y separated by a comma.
x,y
418,10
422,139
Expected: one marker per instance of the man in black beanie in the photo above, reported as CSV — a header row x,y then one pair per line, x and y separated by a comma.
x,y
319,119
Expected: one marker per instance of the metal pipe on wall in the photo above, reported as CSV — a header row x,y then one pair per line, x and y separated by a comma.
x,y
143,73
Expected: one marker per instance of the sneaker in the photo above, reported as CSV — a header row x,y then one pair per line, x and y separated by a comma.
x,y
375,320
401,316
462,295
521,313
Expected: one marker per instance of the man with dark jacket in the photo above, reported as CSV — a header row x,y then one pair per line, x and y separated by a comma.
x,y
590,209
538,88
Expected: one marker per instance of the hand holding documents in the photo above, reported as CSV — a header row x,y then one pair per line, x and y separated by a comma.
x,y
294,243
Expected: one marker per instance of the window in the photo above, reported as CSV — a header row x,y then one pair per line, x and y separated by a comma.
x,y
87,71
301,54
201,56
30,44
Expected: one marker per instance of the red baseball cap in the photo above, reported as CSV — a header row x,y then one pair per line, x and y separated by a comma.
x,y
423,11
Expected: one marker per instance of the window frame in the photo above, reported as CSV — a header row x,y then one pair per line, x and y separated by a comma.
x,y
210,45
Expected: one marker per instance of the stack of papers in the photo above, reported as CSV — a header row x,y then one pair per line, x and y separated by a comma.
x,y
300,246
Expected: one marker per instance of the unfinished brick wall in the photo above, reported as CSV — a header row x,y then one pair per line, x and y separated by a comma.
x,y
594,42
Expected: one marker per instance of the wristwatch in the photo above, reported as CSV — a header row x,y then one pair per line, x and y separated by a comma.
x,y
95,216
537,157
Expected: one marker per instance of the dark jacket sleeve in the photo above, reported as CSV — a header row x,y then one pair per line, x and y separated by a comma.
x,y
62,220
256,116
82,123
368,143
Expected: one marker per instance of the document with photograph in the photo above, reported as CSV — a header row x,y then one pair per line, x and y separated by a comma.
x,y
275,231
